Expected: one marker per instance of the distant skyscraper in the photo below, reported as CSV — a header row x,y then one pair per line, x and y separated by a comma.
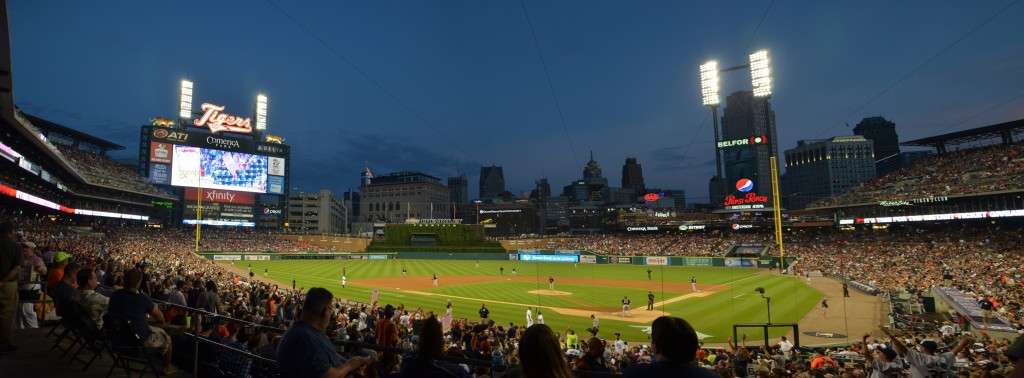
x,y
542,190
366,175
458,189
492,182
633,176
592,188
745,151
817,169
882,133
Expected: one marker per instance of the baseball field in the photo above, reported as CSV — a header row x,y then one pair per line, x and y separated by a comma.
x,y
724,296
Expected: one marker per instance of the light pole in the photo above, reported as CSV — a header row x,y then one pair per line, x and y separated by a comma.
x,y
767,302
709,92
761,81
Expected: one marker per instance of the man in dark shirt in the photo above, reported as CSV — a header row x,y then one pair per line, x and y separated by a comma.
x,y
10,266
674,344
64,293
305,351
484,312
131,306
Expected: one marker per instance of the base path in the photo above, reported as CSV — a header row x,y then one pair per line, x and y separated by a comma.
x,y
426,282
853,317
636,316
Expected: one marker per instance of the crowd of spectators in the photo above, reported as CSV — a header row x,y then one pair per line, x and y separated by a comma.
x,y
145,271
979,170
101,170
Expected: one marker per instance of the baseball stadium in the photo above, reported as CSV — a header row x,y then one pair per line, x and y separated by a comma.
x,y
323,190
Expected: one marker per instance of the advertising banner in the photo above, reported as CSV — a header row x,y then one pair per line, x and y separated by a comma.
x,y
738,262
160,174
160,152
221,196
276,166
698,261
275,184
623,260
588,259
272,149
200,139
549,258
656,260
227,257
257,257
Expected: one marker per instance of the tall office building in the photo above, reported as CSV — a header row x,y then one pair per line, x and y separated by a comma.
x,y
817,169
316,212
398,196
748,140
458,190
633,176
492,182
541,190
882,133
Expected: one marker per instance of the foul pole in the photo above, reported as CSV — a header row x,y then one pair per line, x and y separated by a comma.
x,y
777,209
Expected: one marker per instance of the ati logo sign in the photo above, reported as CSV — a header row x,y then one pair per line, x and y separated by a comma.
x,y
171,135
218,121
223,143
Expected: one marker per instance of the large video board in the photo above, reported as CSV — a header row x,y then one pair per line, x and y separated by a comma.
x,y
218,169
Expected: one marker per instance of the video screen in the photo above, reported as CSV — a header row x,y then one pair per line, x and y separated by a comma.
x,y
216,169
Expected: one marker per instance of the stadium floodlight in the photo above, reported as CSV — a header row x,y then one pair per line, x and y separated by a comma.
x,y
709,83
761,73
186,100
261,112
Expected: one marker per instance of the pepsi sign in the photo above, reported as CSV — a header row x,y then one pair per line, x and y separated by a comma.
x,y
744,185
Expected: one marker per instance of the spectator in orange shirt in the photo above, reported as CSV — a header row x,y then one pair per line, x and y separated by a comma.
x,y
56,274
821,361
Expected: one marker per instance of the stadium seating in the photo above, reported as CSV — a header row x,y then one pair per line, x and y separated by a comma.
x,y
972,171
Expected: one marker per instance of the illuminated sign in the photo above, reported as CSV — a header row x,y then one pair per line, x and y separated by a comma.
x,y
744,185
11,192
652,197
270,138
749,199
218,121
912,201
502,211
549,258
737,226
757,139
221,196
162,122
936,217
692,227
171,135
642,228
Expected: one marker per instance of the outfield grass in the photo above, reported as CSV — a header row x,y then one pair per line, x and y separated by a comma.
x,y
713,315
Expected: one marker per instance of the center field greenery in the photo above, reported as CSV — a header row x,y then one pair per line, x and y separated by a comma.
x,y
594,288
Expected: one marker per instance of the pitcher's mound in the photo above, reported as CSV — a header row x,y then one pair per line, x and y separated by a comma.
x,y
549,292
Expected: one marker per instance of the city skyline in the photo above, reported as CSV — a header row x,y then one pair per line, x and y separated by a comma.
x,y
475,94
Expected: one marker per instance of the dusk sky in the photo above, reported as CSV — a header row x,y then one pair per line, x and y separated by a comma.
x,y
450,85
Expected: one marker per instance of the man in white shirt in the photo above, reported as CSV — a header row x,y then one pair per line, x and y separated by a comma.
x,y
785,346
529,317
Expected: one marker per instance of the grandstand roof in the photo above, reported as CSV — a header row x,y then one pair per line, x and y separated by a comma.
x,y
43,124
969,135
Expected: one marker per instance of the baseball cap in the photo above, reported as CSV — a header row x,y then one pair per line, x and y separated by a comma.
x,y
888,352
61,257
29,244
930,346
